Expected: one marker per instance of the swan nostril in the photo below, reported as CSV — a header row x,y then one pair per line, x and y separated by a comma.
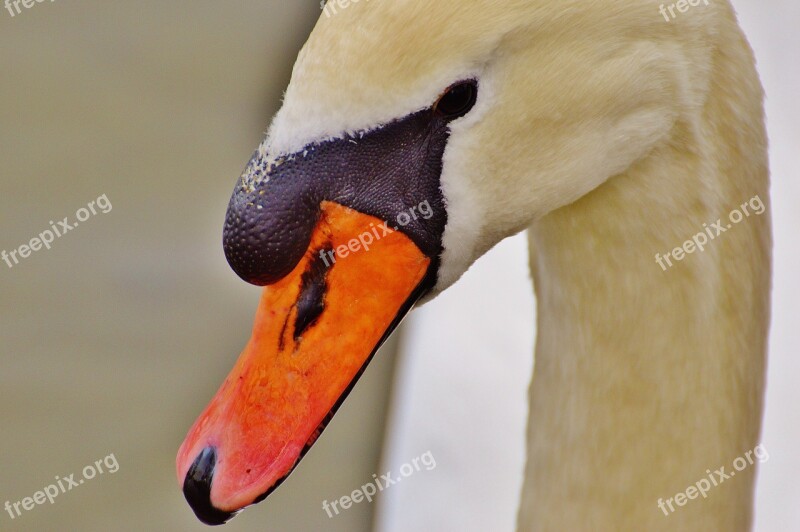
x,y
197,489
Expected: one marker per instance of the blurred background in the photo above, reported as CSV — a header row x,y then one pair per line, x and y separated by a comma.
x,y
113,341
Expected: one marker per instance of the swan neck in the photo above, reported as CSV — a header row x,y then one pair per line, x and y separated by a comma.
x,y
645,378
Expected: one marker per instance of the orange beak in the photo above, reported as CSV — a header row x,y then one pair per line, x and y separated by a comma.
x,y
315,332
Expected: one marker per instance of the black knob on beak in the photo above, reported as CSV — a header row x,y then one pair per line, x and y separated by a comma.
x,y
267,230
392,173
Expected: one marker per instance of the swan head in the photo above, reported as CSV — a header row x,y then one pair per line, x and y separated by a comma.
x,y
412,138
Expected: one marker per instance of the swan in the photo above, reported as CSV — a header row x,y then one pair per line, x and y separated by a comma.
x,y
413,137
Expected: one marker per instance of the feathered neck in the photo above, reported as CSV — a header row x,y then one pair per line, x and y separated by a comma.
x,y
646,379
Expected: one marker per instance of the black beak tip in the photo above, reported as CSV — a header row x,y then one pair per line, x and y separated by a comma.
x,y
197,489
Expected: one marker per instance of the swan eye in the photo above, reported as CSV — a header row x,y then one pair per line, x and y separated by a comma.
x,y
458,100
